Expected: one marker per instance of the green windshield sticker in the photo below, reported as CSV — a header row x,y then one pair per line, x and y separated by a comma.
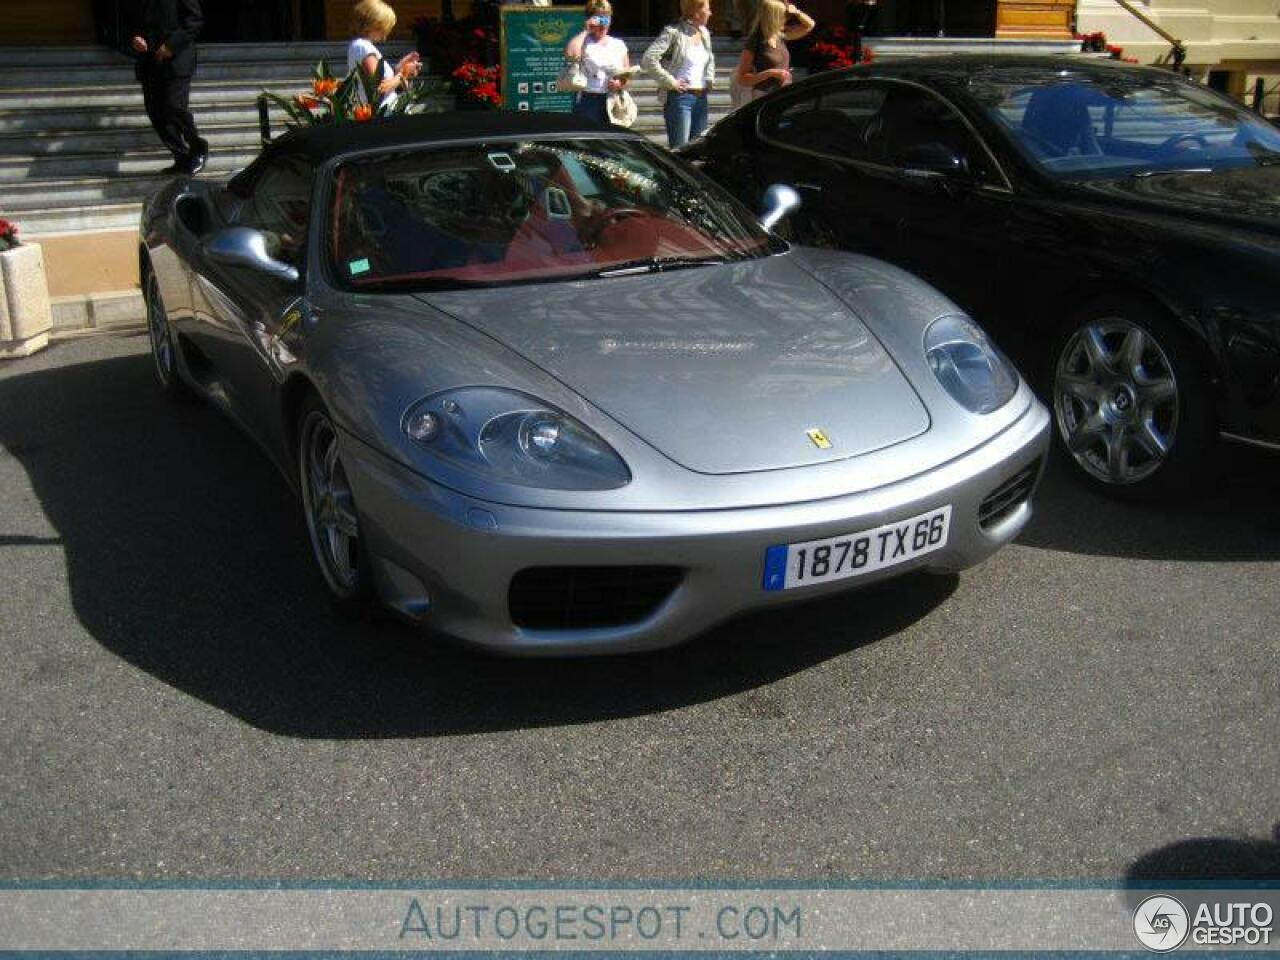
x,y
358,266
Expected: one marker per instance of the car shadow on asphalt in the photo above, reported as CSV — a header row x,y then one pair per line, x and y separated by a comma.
x,y
1233,515
1205,862
187,557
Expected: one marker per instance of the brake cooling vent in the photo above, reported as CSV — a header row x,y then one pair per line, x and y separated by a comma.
x,y
1007,497
570,598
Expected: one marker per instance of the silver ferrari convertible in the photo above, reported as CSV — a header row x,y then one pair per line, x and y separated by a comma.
x,y
543,387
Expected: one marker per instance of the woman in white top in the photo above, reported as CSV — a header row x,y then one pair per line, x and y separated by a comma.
x,y
372,22
600,57
684,66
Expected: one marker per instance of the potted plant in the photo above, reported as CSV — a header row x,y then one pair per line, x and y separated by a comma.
x,y
478,87
25,316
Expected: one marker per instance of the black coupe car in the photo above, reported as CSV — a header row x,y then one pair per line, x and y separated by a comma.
x,y
1116,228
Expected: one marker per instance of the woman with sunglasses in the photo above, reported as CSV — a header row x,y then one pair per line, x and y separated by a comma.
x,y
600,58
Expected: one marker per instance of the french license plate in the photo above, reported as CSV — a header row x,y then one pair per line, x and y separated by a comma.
x,y
791,565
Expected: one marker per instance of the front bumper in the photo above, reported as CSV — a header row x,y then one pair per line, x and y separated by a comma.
x,y
448,560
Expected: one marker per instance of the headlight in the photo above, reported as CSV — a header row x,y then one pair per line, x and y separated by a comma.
x,y
968,365
513,438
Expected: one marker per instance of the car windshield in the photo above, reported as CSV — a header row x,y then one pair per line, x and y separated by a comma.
x,y
1133,124
485,214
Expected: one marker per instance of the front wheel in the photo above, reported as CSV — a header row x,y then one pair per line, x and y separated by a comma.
x,y
333,523
164,348
1131,402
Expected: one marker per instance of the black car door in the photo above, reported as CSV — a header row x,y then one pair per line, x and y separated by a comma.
x,y
889,168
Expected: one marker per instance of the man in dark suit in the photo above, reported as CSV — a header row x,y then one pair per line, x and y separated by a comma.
x,y
164,46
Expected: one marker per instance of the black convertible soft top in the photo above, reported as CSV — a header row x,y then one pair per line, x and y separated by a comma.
x,y
327,140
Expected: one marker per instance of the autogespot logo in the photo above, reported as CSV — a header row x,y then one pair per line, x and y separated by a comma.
x,y
1161,923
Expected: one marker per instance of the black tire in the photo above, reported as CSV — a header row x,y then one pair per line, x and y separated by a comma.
x,y
1131,400
329,510
164,345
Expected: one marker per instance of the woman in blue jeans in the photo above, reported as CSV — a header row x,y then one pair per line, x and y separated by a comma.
x,y
684,66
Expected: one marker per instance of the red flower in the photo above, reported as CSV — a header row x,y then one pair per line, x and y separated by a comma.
x,y
362,112
324,86
868,55
306,101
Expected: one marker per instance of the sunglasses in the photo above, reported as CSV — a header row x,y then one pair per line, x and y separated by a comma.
x,y
599,20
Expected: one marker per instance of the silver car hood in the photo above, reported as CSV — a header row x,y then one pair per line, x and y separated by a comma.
x,y
723,368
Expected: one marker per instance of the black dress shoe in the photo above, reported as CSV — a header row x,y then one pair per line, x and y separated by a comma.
x,y
197,162
178,166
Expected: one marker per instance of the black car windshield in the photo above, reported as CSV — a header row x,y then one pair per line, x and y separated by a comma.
x,y
483,214
1137,123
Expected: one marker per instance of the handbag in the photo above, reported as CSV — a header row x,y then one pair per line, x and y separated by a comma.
x,y
622,109
571,76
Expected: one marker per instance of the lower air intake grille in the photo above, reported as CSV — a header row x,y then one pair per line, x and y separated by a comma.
x,y
568,598
1007,497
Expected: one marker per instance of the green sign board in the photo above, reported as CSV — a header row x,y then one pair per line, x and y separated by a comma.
x,y
532,40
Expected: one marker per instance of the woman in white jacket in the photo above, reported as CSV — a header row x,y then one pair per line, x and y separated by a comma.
x,y
684,66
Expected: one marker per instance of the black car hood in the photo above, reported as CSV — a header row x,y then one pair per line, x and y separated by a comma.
x,y
1243,197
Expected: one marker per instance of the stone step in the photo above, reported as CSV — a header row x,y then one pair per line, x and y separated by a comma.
x,y
31,105
26,108
123,216
55,58
15,169
49,144
20,196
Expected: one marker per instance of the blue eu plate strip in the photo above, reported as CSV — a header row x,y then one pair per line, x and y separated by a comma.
x,y
775,567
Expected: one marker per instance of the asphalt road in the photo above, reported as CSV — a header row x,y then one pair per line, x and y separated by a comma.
x,y
1101,700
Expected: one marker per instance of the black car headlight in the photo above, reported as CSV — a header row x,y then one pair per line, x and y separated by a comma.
x,y
968,365
514,438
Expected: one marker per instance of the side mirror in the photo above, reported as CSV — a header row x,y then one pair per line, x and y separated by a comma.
x,y
935,158
246,247
779,200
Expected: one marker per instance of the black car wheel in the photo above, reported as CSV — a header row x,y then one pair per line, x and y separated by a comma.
x,y
1131,401
329,508
164,347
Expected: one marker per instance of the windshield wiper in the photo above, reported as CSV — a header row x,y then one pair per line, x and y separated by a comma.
x,y
656,265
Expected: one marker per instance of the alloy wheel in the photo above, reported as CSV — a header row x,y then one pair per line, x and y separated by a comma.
x,y
331,515
161,335
1115,398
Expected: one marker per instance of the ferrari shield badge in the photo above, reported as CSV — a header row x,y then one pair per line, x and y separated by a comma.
x,y
818,438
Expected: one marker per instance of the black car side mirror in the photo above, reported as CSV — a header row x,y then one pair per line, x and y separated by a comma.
x,y
246,247
935,158
779,200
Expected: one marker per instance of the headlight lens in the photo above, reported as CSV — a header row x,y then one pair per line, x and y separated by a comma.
x,y
968,365
514,438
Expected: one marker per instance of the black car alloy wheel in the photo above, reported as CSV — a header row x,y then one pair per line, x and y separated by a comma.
x,y
1129,400
333,523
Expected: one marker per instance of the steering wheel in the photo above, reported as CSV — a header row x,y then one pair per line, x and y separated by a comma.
x,y
1179,138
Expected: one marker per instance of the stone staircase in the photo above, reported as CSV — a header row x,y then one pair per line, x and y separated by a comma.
x,y
77,152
